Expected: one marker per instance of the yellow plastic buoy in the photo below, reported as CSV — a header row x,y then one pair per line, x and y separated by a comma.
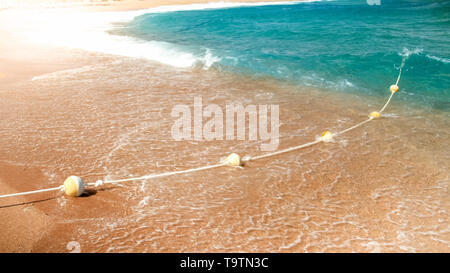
x,y
233,160
375,114
74,186
327,136
394,88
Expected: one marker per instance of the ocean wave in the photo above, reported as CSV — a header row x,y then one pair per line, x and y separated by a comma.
x,y
216,5
89,31
209,59
439,59
168,53
430,5
406,53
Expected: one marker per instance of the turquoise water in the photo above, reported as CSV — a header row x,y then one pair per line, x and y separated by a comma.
x,y
344,46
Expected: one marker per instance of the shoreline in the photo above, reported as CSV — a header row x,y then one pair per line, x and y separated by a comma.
x,y
130,5
80,133
71,33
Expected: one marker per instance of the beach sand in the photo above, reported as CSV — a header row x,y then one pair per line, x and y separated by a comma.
x,y
383,187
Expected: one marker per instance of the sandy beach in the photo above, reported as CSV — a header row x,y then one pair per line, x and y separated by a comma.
x,y
68,111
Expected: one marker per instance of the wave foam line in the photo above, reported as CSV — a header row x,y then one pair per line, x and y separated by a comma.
x,y
89,31
439,59
218,5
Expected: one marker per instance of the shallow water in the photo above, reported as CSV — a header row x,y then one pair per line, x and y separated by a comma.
x,y
383,187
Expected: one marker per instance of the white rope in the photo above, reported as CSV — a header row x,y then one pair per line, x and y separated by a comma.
x,y
354,126
99,183
284,151
32,192
388,101
400,72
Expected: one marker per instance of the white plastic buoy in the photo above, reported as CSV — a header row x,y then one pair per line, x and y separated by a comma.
x,y
74,186
327,136
233,160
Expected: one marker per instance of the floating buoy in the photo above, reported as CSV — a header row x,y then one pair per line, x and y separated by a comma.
x,y
74,186
394,88
327,136
375,114
233,160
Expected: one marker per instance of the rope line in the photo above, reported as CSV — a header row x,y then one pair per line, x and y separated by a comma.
x,y
354,126
399,73
32,192
387,102
96,184
284,151
223,163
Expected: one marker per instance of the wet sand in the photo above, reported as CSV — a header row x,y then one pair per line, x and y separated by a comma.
x,y
379,188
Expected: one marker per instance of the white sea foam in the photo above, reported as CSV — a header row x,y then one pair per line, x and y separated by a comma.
x,y
88,30
217,5
439,59
408,52
209,59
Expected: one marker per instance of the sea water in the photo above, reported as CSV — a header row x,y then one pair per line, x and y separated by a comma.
x,y
343,45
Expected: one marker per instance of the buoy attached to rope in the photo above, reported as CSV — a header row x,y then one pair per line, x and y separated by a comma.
x,y
327,136
375,114
394,88
74,186
233,160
